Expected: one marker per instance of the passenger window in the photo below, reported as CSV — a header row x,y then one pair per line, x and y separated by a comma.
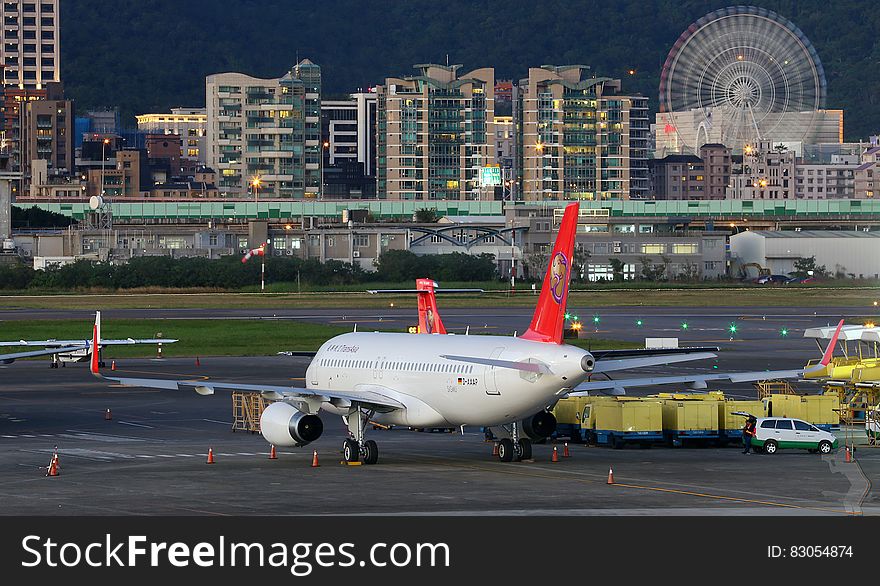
x,y
801,426
769,424
783,424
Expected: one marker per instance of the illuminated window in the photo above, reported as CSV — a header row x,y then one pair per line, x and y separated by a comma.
x,y
452,184
684,248
653,248
228,172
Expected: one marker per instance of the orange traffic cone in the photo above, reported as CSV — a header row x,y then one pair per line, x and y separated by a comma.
x,y
113,365
210,455
198,362
555,455
272,455
315,459
848,455
54,468
610,476
565,452
495,449
108,415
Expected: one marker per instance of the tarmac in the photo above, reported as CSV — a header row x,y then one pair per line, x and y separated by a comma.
x,y
150,458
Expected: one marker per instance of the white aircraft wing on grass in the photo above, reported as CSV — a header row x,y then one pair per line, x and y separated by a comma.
x,y
9,358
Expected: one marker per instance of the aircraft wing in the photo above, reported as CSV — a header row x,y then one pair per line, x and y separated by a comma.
x,y
638,352
7,358
613,364
370,399
698,381
85,343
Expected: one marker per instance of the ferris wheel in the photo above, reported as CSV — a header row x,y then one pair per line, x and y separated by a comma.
x,y
743,74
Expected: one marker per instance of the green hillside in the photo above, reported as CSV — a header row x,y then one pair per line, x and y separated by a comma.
x,y
151,55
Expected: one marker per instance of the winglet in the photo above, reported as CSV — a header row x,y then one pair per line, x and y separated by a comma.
x,y
549,319
96,335
829,351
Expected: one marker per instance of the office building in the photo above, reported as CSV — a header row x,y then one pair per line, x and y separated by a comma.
x,y
578,137
435,133
348,146
187,123
835,180
264,135
31,54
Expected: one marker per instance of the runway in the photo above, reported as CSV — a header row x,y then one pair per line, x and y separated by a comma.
x,y
150,459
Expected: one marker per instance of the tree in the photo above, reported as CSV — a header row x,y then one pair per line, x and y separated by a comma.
x,y
689,272
536,264
579,268
807,267
426,216
651,271
617,269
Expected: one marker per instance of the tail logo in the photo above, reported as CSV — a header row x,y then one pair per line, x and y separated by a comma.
x,y
558,274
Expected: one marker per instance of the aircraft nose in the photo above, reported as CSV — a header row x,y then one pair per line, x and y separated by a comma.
x,y
587,363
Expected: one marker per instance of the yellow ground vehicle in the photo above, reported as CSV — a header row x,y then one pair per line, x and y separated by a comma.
x,y
690,419
625,420
823,411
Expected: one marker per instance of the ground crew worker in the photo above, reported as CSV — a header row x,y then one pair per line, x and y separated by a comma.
x,y
749,430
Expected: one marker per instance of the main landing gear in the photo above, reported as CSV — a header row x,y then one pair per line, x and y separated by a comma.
x,y
514,448
355,449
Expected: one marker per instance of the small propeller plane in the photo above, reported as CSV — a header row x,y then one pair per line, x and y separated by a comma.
x,y
63,351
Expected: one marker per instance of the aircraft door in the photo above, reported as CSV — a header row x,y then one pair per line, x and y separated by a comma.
x,y
377,370
489,374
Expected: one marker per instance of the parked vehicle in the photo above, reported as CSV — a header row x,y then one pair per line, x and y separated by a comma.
x,y
775,433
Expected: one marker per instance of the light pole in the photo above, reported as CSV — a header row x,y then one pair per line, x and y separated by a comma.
x,y
256,182
325,147
104,144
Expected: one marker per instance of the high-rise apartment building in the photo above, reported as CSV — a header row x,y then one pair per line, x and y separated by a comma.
x,y
264,135
578,137
435,133
48,135
30,53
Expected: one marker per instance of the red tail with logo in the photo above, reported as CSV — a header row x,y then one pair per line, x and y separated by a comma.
x,y
549,319
429,317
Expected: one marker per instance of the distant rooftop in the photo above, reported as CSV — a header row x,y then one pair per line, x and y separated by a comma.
x,y
814,234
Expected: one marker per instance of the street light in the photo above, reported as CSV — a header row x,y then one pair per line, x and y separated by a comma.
x,y
326,146
256,182
104,144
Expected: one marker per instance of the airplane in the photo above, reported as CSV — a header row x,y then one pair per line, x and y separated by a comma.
x,y
63,351
428,381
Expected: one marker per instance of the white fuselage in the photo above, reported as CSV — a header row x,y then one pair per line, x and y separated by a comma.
x,y
439,392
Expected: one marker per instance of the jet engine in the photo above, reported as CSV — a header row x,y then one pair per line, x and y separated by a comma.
x,y
540,425
284,425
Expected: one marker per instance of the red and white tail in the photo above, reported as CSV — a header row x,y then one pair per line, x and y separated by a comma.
x,y
829,351
96,337
549,319
429,316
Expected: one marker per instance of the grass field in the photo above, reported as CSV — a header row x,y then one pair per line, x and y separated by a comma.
x,y
709,297
202,337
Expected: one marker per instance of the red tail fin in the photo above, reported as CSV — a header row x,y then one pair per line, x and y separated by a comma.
x,y
429,317
95,357
829,351
549,318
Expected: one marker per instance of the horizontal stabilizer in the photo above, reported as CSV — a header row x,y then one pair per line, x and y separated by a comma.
x,y
641,362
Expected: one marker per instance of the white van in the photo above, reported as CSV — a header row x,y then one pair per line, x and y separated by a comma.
x,y
774,433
